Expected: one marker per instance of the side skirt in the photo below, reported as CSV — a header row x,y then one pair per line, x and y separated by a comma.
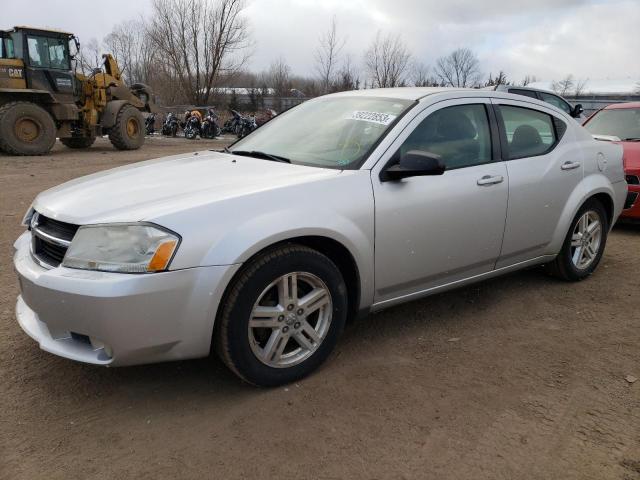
x,y
460,283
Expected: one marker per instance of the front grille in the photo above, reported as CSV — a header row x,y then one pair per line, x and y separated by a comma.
x,y
632,179
50,239
631,200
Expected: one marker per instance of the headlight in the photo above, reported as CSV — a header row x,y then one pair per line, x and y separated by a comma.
x,y
136,248
26,220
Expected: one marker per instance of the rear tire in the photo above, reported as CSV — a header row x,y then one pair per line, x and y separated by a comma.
x,y
78,142
26,129
129,129
302,327
584,244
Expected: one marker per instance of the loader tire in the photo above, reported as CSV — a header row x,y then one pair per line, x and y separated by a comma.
x,y
78,142
26,129
128,131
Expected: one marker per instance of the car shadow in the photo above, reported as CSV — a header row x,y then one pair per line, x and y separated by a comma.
x,y
209,377
627,226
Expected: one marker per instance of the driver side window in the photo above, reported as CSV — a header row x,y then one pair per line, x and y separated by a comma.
x,y
459,135
47,52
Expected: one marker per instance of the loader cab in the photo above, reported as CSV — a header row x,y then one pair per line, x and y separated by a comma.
x,y
47,59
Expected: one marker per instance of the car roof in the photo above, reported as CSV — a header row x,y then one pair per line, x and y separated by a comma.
x,y
621,106
401,93
442,93
418,93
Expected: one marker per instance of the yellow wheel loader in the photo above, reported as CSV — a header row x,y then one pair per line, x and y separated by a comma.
x,y
42,98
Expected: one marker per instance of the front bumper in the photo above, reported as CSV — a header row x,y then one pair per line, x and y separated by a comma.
x,y
118,319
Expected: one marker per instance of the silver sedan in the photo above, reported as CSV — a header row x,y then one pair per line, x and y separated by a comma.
x,y
346,204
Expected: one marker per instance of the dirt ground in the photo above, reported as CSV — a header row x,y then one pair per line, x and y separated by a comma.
x,y
521,377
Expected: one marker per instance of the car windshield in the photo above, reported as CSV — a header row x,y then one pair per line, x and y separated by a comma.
x,y
329,132
623,123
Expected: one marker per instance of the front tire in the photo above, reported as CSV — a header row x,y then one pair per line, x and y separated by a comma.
x,y
26,129
584,245
282,316
128,130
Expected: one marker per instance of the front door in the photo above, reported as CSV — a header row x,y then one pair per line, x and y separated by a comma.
x,y
434,230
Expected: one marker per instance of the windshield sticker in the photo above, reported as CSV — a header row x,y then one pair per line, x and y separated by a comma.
x,y
373,117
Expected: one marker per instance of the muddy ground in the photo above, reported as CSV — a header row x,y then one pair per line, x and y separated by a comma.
x,y
521,377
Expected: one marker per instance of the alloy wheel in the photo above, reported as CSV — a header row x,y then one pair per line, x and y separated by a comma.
x,y
586,239
290,319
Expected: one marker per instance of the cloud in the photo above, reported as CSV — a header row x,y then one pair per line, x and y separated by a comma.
x,y
546,38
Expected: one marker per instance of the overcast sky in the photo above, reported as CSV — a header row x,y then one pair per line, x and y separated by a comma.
x,y
596,39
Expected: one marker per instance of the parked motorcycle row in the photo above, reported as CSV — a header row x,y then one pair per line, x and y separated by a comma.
x,y
207,127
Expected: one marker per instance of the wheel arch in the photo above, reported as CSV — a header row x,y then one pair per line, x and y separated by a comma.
x,y
336,251
41,98
592,187
110,113
607,202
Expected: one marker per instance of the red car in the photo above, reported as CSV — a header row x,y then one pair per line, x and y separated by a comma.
x,y
620,123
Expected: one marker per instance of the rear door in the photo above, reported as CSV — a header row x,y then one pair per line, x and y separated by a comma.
x,y
544,168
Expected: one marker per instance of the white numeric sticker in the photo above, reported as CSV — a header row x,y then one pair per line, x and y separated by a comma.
x,y
372,117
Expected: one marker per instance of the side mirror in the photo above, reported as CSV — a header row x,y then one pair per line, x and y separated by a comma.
x,y
414,163
577,111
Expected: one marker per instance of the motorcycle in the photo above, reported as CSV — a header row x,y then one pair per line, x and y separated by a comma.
x,y
170,126
247,125
150,124
265,116
192,127
233,125
210,128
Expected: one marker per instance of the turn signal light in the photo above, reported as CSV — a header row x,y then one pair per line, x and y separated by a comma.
x,y
161,258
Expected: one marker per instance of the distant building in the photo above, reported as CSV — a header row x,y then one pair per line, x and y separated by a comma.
x,y
260,97
600,93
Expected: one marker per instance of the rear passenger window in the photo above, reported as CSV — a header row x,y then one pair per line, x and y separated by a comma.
x,y
529,132
459,135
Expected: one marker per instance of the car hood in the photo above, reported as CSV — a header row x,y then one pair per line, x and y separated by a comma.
x,y
631,156
150,189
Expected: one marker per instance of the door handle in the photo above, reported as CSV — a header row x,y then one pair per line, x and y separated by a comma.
x,y
489,180
570,165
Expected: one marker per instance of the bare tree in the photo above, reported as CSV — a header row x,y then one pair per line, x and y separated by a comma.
x,y
580,87
421,77
327,56
528,79
89,57
199,40
500,79
348,78
387,61
133,50
564,86
279,77
460,68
